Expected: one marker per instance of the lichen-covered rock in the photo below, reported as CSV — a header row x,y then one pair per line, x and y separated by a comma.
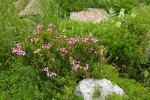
x,y
91,14
20,4
87,87
33,8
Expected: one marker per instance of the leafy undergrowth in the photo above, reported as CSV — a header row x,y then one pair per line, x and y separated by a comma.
x,y
133,90
126,40
25,82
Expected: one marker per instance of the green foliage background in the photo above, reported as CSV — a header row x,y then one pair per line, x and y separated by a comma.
x,y
125,45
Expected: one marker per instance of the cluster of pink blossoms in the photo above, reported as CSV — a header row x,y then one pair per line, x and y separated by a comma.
x,y
46,46
52,74
72,41
38,28
51,26
34,40
63,50
95,40
61,37
89,35
86,67
18,50
85,40
102,47
76,65
94,50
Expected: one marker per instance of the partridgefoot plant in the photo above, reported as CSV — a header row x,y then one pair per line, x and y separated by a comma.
x,y
51,51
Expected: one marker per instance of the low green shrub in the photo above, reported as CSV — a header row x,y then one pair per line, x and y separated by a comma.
x,y
26,82
68,6
124,37
13,29
57,54
59,60
133,90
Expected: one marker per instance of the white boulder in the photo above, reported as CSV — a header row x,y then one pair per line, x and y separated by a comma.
x,y
33,8
90,15
20,4
87,87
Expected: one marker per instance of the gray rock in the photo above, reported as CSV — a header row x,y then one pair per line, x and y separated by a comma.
x,y
33,8
20,4
142,4
87,87
91,14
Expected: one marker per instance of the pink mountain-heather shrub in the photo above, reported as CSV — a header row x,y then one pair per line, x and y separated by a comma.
x,y
72,41
17,50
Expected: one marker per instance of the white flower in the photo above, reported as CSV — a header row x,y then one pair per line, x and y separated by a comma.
x,y
37,51
112,12
121,13
118,24
133,15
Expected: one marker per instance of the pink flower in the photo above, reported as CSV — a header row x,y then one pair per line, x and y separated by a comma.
x,y
20,53
61,37
63,50
75,62
85,40
72,41
46,69
76,66
92,48
18,50
96,52
58,37
94,40
46,46
64,37
18,46
89,36
37,51
102,47
51,25
86,67
52,74
39,26
14,50
34,40
48,74
36,31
